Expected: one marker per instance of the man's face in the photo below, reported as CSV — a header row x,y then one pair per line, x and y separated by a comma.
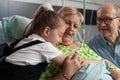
x,y
107,21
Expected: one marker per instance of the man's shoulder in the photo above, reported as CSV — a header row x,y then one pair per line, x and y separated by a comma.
x,y
94,38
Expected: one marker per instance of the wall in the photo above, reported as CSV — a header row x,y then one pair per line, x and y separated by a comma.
x,y
73,3
89,4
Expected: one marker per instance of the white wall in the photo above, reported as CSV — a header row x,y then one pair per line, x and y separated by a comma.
x,y
89,4
73,3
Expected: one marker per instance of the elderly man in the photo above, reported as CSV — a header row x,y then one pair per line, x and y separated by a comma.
x,y
107,42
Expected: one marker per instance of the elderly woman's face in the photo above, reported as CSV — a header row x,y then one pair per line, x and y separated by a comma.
x,y
72,26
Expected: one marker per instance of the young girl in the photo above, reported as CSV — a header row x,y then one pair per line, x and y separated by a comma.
x,y
28,63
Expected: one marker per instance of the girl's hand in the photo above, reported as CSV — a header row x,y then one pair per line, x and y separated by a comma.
x,y
71,65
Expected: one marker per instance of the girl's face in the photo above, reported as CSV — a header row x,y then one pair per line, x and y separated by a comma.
x,y
55,35
72,25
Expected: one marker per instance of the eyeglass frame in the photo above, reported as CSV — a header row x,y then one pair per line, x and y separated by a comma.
x,y
106,21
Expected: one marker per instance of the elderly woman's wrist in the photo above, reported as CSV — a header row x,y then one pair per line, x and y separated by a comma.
x,y
66,76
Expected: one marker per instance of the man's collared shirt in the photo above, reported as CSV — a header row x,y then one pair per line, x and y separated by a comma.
x,y
105,49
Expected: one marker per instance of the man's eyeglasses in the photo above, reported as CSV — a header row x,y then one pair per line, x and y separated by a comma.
x,y
106,20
